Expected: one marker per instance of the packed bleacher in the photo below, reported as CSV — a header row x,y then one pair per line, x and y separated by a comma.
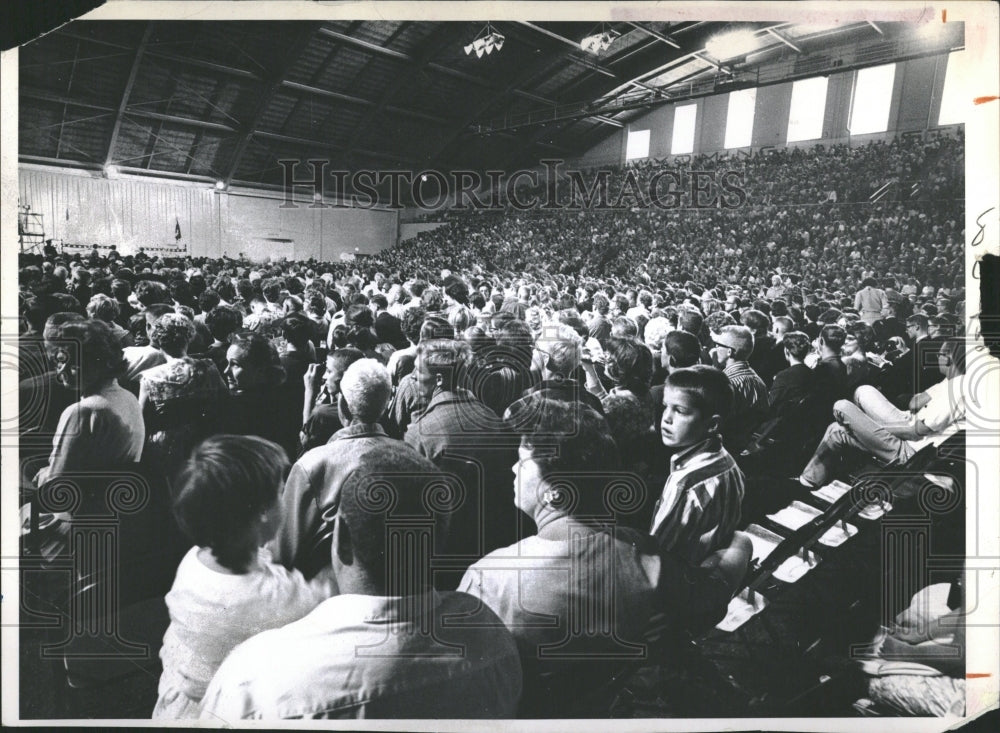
x,y
554,440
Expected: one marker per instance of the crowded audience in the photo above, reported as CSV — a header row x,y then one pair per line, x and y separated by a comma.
x,y
412,452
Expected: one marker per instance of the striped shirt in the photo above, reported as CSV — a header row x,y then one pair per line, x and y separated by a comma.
x,y
700,505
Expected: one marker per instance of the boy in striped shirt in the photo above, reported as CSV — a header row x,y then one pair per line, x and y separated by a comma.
x,y
699,508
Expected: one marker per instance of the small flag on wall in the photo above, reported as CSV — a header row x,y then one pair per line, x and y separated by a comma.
x,y
177,228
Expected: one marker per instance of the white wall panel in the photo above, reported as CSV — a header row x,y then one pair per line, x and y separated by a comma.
x,y
81,207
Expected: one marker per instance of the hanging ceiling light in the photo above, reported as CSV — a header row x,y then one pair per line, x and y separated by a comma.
x,y
486,42
598,42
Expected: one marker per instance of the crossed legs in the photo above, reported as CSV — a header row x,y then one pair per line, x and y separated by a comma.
x,y
859,425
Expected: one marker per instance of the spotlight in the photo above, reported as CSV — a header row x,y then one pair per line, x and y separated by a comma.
x,y
598,42
729,45
111,170
221,185
486,42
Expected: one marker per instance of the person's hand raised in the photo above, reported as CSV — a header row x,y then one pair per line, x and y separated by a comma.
x,y
313,376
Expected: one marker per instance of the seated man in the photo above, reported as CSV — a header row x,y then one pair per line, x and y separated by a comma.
x,y
797,382
872,424
456,425
387,646
733,346
699,508
580,594
558,355
312,491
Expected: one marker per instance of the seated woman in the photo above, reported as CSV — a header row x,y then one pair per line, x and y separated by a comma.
x,y
105,428
258,404
854,354
227,589
180,399
580,563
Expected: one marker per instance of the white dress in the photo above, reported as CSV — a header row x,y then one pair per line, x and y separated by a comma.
x,y
212,612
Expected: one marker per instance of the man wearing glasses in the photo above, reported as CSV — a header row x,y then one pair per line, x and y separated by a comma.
x,y
732,347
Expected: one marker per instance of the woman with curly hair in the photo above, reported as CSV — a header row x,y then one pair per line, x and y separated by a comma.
x,y
180,399
105,428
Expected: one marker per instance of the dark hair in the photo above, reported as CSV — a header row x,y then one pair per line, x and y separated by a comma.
x,y
864,333
919,320
259,352
797,344
630,365
225,486
689,320
436,326
379,301
683,348
582,443
709,387
222,321
755,321
833,336
208,299
149,292
412,322
514,338
120,289
98,351
271,289
297,330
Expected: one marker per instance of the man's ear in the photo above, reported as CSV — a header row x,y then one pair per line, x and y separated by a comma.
x,y
715,423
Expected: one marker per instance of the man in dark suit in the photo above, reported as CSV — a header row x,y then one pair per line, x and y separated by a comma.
x,y
762,359
797,382
830,372
916,370
388,328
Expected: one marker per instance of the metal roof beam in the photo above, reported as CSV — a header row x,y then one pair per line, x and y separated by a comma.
x,y
322,145
216,126
283,65
431,46
365,45
655,34
361,101
129,84
44,96
575,44
784,40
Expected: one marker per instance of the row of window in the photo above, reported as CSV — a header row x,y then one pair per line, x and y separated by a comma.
x,y
869,110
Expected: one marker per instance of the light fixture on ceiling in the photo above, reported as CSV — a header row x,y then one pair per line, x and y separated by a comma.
x,y
220,185
111,170
598,42
487,41
735,43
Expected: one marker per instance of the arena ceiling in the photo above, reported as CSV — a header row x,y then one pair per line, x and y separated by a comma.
x,y
224,101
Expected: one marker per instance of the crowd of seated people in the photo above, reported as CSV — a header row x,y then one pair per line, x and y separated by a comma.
x,y
296,408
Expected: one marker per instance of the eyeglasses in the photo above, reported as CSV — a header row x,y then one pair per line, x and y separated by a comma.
x,y
723,346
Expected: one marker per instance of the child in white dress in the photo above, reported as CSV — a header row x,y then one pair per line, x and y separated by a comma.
x,y
227,589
